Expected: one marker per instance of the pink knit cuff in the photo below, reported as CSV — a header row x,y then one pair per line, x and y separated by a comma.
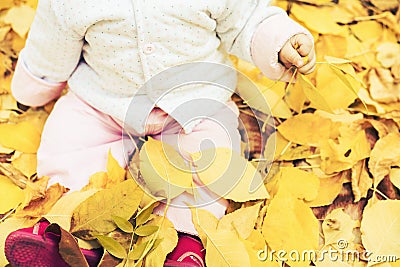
x,y
32,91
268,40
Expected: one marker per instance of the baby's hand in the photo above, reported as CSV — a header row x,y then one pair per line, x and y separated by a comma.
x,y
294,49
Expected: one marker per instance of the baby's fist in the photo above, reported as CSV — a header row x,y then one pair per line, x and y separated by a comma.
x,y
298,46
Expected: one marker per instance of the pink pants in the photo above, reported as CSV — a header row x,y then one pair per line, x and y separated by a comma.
x,y
76,140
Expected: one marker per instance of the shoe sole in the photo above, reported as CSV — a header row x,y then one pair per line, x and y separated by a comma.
x,y
27,250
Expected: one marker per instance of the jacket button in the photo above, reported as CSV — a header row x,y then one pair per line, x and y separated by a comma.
x,y
149,48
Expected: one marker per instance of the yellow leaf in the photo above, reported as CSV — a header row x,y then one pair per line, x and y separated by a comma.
x,y
331,45
395,177
318,19
242,221
385,4
385,216
317,100
275,146
388,54
338,92
290,225
229,175
352,147
40,206
224,249
23,136
360,180
261,93
301,184
121,200
329,189
3,32
295,97
5,4
382,86
61,212
20,18
367,30
204,222
169,236
26,163
116,173
338,227
311,129
164,170
11,194
386,153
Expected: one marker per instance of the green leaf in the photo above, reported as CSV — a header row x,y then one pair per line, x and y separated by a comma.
x,y
140,250
146,230
112,246
123,224
144,215
95,214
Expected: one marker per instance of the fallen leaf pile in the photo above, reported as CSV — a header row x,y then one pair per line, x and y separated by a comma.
x,y
325,153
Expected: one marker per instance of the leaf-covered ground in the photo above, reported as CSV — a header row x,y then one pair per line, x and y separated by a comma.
x,y
333,162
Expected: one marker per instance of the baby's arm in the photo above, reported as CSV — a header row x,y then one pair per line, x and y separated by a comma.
x,y
51,54
259,33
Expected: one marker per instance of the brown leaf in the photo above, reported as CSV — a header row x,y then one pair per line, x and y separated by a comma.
x,y
40,206
68,247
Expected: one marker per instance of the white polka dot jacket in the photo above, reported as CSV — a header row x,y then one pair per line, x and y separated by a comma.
x,y
124,57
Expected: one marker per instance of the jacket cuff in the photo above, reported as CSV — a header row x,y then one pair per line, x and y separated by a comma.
x,y
268,40
33,91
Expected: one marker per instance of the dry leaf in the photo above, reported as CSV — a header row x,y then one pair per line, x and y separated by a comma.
x,y
40,206
385,154
26,163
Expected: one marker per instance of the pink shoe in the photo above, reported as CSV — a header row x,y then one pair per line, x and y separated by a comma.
x,y
189,252
31,247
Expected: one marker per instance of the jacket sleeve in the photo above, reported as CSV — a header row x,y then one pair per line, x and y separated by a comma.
x,y
51,54
255,31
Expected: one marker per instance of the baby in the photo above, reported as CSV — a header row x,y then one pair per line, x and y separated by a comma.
x,y
116,57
